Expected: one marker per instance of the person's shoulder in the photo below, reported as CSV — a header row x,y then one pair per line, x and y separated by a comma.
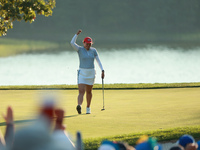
x,y
94,51
81,48
93,48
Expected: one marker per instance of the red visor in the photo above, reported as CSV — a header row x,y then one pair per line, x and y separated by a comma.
x,y
88,40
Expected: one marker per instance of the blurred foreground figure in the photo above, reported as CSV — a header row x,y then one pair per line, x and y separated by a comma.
x,y
60,136
37,136
176,148
187,142
147,143
110,145
191,146
9,134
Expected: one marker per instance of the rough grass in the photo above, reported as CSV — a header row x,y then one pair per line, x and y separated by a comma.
x,y
163,113
12,46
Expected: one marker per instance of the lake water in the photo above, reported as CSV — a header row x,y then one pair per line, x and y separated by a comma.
x,y
137,65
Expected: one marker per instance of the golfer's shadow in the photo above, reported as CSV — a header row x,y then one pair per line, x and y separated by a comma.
x,y
19,121
70,116
32,120
74,115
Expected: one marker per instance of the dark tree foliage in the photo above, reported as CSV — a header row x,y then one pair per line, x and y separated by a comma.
x,y
12,10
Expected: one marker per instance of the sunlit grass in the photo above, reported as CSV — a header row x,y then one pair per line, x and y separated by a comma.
x,y
13,46
163,113
106,86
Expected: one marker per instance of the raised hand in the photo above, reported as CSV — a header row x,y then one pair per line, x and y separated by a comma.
x,y
79,31
9,116
102,75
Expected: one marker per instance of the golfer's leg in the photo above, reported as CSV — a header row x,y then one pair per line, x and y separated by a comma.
x,y
89,94
81,88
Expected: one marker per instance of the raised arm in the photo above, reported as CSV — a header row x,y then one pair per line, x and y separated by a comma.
x,y
9,134
73,41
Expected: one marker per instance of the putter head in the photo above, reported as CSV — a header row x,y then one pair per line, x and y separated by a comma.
x,y
102,109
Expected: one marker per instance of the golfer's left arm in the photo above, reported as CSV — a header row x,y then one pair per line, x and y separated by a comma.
x,y
100,66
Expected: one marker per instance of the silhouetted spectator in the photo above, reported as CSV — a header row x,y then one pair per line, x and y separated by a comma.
x,y
37,135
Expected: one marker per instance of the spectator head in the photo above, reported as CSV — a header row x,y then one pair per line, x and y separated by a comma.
x,y
47,106
108,145
185,139
149,144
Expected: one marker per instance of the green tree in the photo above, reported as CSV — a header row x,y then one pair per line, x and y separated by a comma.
x,y
17,10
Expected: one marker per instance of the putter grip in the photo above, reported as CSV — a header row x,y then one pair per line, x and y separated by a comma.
x,y
103,93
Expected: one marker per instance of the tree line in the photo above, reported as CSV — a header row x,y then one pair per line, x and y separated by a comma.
x,y
114,19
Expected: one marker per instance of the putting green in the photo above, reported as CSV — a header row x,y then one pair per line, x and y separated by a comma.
x,y
126,111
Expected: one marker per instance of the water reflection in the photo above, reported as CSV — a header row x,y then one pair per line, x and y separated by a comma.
x,y
145,65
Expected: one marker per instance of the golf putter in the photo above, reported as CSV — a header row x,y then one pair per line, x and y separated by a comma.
x,y
103,94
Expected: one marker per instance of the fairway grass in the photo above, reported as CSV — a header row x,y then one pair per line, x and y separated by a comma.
x,y
126,111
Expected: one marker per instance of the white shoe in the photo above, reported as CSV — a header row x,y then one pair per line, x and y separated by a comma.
x,y
88,111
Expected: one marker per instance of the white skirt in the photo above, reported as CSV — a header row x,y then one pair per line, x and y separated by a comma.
x,y
86,76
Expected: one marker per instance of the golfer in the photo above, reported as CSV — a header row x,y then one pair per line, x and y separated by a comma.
x,y
86,72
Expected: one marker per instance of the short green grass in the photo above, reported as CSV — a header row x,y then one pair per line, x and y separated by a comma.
x,y
164,113
13,46
106,86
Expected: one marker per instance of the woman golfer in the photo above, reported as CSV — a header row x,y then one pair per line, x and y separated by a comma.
x,y
86,72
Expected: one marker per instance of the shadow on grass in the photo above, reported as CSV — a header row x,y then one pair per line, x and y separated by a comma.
x,y
75,115
18,122
31,120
